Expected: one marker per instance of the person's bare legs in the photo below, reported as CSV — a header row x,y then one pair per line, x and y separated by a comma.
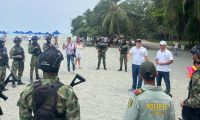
x,y
79,63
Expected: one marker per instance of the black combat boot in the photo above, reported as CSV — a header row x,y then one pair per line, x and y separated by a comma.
x,y
105,68
37,77
125,68
31,79
97,68
120,69
20,82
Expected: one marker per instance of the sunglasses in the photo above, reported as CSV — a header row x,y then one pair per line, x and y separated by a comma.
x,y
138,41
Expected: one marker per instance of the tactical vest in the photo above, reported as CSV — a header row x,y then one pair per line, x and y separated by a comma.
x,y
124,49
103,45
36,49
4,56
44,100
18,51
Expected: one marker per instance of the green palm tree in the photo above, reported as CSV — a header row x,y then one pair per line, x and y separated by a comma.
x,y
116,16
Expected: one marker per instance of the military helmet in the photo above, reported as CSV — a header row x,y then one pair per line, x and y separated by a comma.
x,y
196,50
2,40
17,39
48,37
49,60
34,38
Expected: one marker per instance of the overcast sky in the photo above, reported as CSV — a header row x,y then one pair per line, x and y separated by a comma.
x,y
41,15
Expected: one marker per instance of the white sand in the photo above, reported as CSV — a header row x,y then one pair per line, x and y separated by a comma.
x,y
105,94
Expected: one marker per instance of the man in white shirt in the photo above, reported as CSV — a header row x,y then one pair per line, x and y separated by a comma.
x,y
163,59
138,56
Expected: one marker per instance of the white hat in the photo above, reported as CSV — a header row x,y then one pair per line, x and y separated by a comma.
x,y
163,42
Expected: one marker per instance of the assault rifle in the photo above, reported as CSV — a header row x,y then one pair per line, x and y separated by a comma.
x,y
74,82
2,87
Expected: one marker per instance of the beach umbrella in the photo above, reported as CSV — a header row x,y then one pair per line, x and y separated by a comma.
x,y
29,32
16,32
47,33
4,32
40,33
56,32
21,32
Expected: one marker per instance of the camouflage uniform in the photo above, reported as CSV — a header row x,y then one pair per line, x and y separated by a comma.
x,y
193,100
3,62
48,44
123,55
191,106
65,105
35,50
45,46
101,47
67,102
17,63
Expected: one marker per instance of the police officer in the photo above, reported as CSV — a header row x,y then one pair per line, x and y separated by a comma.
x,y
150,102
35,50
191,105
48,44
102,47
123,54
3,60
17,54
62,105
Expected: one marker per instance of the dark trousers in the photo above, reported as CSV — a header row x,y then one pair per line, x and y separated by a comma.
x,y
137,81
165,76
70,58
190,113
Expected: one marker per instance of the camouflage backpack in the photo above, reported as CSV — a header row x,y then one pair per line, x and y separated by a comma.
x,y
44,100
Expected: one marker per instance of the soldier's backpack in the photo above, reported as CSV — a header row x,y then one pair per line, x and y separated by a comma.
x,y
44,100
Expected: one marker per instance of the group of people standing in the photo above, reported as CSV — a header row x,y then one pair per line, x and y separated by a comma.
x,y
74,53
18,56
147,102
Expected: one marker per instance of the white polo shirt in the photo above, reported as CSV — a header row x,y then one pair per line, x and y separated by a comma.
x,y
163,56
138,55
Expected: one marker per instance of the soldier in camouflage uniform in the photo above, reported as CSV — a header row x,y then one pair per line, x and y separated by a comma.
x,y
123,55
191,105
66,106
48,44
3,60
102,47
149,102
35,50
17,54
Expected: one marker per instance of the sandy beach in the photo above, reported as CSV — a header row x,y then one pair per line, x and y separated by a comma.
x,y
104,96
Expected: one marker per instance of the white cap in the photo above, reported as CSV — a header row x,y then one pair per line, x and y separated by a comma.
x,y
163,42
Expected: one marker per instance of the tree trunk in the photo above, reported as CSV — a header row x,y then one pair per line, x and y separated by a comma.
x,y
163,32
118,28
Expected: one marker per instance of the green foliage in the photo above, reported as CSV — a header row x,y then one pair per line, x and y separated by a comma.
x,y
168,19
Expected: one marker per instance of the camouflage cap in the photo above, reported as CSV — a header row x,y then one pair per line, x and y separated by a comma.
x,y
148,70
2,39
